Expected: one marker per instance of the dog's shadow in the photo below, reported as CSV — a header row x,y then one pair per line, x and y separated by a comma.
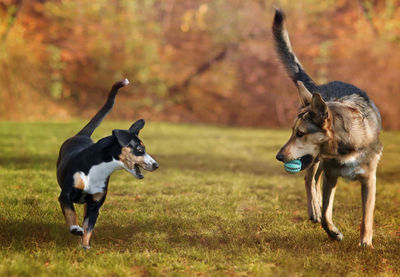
x,y
155,235
28,234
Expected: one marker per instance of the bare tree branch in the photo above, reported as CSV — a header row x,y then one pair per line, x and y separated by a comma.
x,y
205,66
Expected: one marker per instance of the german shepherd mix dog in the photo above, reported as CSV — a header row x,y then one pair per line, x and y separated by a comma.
x,y
336,133
84,167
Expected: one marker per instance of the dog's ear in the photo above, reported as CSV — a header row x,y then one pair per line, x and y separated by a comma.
x,y
304,93
123,137
319,109
136,127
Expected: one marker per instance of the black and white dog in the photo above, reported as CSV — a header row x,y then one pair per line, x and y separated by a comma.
x,y
84,167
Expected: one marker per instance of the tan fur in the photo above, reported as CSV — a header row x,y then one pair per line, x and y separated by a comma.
x,y
86,234
368,192
129,159
351,125
344,123
330,147
78,182
313,190
304,94
308,144
338,136
140,161
70,216
97,196
348,144
86,238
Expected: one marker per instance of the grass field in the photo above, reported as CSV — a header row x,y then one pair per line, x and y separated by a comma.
x,y
220,204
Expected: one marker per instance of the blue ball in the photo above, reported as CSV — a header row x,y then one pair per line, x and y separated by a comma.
x,y
293,166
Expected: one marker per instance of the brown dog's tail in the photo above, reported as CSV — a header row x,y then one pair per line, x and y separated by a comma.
x,y
286,54
101,114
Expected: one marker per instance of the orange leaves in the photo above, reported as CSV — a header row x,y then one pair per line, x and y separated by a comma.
x,y
169,49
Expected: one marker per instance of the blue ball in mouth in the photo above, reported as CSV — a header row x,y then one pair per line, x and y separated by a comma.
x,y
293,166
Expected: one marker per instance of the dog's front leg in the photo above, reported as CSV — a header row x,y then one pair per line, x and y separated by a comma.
x,y
368,191
368,188
313,192
92,208
329,188
68,210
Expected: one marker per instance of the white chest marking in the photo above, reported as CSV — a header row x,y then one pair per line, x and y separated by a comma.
x,y
95,180
352,166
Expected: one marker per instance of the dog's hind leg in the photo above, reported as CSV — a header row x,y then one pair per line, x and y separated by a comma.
x,y
368,191
68,210
92,208
313,190
329,188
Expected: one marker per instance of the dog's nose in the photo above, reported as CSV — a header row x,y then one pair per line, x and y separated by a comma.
x,y
155,166
280,157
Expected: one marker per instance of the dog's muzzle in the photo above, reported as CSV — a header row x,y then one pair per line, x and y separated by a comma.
x,y
136,172
148,164
306,160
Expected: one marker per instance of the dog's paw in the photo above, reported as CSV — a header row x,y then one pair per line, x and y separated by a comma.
x,y
314,218
76,230
332,231
336,235
85,247
366,245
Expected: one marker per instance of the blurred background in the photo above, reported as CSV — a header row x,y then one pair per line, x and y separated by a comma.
x,y
190,61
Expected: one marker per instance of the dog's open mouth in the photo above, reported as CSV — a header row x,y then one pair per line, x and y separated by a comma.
x,y
138,174
306,160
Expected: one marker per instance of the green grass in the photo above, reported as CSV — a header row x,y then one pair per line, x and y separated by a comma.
x,y
220,204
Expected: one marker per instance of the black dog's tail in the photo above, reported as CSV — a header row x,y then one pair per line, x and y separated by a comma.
x,y
98,118
286,54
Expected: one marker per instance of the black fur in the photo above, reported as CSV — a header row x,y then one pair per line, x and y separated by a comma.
x,y
79,154
294,69
80,143
98,118
336,90
348,145
331,91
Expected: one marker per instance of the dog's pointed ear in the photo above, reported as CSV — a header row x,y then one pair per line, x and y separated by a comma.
x,y
304,93
319,109
123,137
136,127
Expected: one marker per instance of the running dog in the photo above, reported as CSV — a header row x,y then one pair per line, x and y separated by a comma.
x,y
84,167
336,133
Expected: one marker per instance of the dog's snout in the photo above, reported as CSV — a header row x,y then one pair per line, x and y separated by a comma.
x,y
155,165
280,157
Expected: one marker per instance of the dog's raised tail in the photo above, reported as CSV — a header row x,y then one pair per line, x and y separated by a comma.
x,y
101,114
286,54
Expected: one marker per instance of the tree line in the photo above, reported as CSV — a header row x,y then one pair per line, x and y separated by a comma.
x,y
190,61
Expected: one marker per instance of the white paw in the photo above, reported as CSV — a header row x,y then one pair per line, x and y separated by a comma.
x,y
76,230
86,247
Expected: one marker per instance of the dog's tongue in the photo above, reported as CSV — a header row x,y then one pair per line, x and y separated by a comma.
x,y
138,173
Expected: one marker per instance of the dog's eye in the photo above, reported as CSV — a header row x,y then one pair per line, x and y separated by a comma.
x,y
140,149
299,134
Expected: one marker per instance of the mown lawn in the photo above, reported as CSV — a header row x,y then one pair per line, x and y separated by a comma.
x,y
220,204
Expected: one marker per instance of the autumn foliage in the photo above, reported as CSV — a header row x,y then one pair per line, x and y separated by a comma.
x,y
190,61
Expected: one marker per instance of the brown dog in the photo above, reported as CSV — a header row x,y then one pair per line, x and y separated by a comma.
x,y
336,133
